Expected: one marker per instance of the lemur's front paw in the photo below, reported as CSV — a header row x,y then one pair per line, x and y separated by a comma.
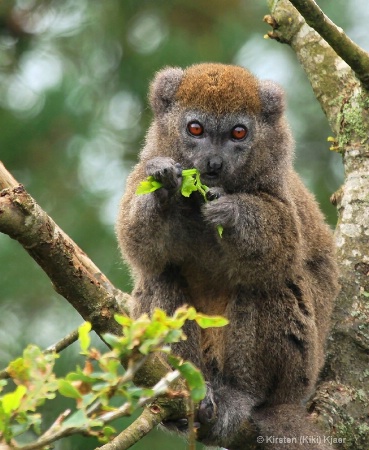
x,y
222,211
214,193
180,425
207,411
166,171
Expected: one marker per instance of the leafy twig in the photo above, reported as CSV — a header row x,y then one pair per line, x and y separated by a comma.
x,y
57,348
58,431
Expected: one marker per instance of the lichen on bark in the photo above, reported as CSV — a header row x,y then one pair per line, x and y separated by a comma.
x,y
341,401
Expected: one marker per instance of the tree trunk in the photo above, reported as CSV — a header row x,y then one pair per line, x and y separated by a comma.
x,y
341,401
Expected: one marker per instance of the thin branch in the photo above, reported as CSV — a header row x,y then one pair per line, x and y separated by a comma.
x,y
153,416
136,431
65,342
59,346
148,420
351,53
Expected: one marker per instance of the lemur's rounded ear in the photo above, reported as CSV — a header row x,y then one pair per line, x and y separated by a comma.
x,y
163,89
272,100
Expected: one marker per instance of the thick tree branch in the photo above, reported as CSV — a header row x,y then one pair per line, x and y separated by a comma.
x,y
73,274
351,53
6,179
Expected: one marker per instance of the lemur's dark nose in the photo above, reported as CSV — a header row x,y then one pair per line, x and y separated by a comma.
x,y
215,164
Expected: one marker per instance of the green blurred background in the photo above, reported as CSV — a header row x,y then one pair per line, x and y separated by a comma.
x,y
73,84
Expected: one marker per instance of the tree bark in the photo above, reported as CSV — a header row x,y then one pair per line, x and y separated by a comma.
x,y
342,398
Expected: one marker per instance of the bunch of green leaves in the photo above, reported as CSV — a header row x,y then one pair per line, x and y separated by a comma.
x,y
191,182
35,382
102,379
147,335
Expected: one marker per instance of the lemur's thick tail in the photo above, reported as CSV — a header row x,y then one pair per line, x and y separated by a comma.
x,y
289,427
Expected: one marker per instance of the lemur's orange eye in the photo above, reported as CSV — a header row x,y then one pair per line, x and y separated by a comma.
x,y
239,132
195,128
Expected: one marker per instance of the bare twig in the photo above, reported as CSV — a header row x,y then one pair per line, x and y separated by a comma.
x,y
351,53
65,342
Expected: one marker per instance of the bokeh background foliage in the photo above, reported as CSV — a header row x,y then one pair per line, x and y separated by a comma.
x,y
73,86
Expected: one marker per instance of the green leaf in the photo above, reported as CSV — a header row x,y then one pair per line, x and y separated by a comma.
x,y
77,419
201,187
3,383
11,401
205,321
84,337
188,185
123,320
193,376
80,376
25,422
66,389
174,336
19,370
191,182
189,172
112,340
108,433
147,186
88,399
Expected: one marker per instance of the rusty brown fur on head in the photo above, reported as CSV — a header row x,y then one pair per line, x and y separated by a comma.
x,y
219,89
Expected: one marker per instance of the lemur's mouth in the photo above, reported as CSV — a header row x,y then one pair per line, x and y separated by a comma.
x,y
211,175
210,179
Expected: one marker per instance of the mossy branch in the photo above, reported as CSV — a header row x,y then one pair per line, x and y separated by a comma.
x,y
351,53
